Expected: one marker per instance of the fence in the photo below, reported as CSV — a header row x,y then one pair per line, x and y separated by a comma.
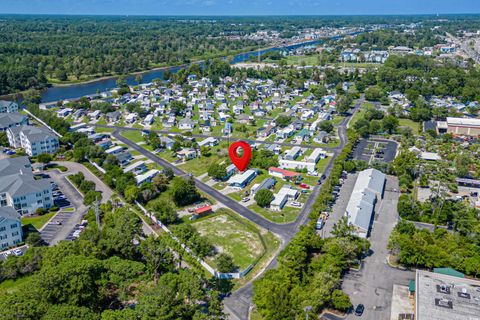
x,y
212,271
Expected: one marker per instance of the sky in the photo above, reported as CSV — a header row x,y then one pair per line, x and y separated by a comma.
x,y
239,7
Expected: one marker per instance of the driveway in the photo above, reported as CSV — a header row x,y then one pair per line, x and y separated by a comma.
x,y
372,286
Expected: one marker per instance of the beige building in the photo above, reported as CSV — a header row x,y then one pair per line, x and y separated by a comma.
x,y
460,126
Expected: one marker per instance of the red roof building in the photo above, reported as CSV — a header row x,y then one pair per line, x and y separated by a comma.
x,y
281,173
203,210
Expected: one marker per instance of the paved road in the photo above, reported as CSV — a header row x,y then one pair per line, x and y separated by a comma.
x,y
373,284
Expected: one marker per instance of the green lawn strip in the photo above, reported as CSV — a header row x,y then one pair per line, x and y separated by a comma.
x,y
101,130
38,221
199,165
288,214
12,285
135,136
232,235
415,126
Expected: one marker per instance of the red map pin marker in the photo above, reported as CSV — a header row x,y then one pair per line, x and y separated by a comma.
x,y
240,162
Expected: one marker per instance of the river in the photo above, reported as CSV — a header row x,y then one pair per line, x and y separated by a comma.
x,y
74,91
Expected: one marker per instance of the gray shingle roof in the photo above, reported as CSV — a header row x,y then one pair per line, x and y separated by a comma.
x,y
9,213
8,119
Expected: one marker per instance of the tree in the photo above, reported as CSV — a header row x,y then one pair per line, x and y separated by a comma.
x,y
390,123
344,103
343,229
132,193
184,191
340,300
217,171
225,263
64,311
374,93
168,172
264,197
177,107
138,78
92,196
3,139
44,158
326,126
283,121
163,211
157,256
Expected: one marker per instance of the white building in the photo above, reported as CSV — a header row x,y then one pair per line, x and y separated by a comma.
x,y
35,140
8,106
316,155
367,191
136,168
241,180
209,142
20,190
147,176
297,165
10,228
282,197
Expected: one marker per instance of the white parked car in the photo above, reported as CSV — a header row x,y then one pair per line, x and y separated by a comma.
x,y
17,252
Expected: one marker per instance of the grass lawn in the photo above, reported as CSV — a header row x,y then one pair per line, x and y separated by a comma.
x,y
231,235
288,214
10,285
135,136
38,221
101,130
357,116
411,124
298,60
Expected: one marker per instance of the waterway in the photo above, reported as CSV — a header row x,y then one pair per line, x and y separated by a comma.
x,y
74,91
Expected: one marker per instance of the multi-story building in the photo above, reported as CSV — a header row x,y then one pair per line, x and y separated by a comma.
x,y
20,190
35,140
10,120
8,106
10,228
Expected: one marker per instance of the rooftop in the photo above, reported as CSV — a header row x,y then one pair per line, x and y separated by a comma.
x,y
439,296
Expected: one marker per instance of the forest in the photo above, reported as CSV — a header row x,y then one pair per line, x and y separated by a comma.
x,y
35,51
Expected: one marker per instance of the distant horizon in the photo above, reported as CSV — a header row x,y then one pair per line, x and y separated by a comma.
x,y
241,15
162,8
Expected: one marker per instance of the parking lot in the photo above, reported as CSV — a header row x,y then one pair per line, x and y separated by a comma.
x,y
338,209
370,150
18,251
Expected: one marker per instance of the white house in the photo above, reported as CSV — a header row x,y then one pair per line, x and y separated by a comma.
x,y
187,154
316,155
115,150
208,142
297,165
10,228
147,176
241,180
136,168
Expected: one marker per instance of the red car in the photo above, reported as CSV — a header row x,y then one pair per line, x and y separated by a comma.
x,y
304,186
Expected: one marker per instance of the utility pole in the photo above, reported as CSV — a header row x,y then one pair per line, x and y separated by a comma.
x,y
307,309
97,213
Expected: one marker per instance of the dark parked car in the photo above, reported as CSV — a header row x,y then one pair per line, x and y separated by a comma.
x,y
359,310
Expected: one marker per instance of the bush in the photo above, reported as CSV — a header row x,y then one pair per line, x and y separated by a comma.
x,y
264,197
41,211
340,300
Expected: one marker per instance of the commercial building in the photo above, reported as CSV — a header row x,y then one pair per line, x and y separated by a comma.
x,y
241,180
446,294
8,106
14,119
368,189
460,126
20,190
10,228
34,140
